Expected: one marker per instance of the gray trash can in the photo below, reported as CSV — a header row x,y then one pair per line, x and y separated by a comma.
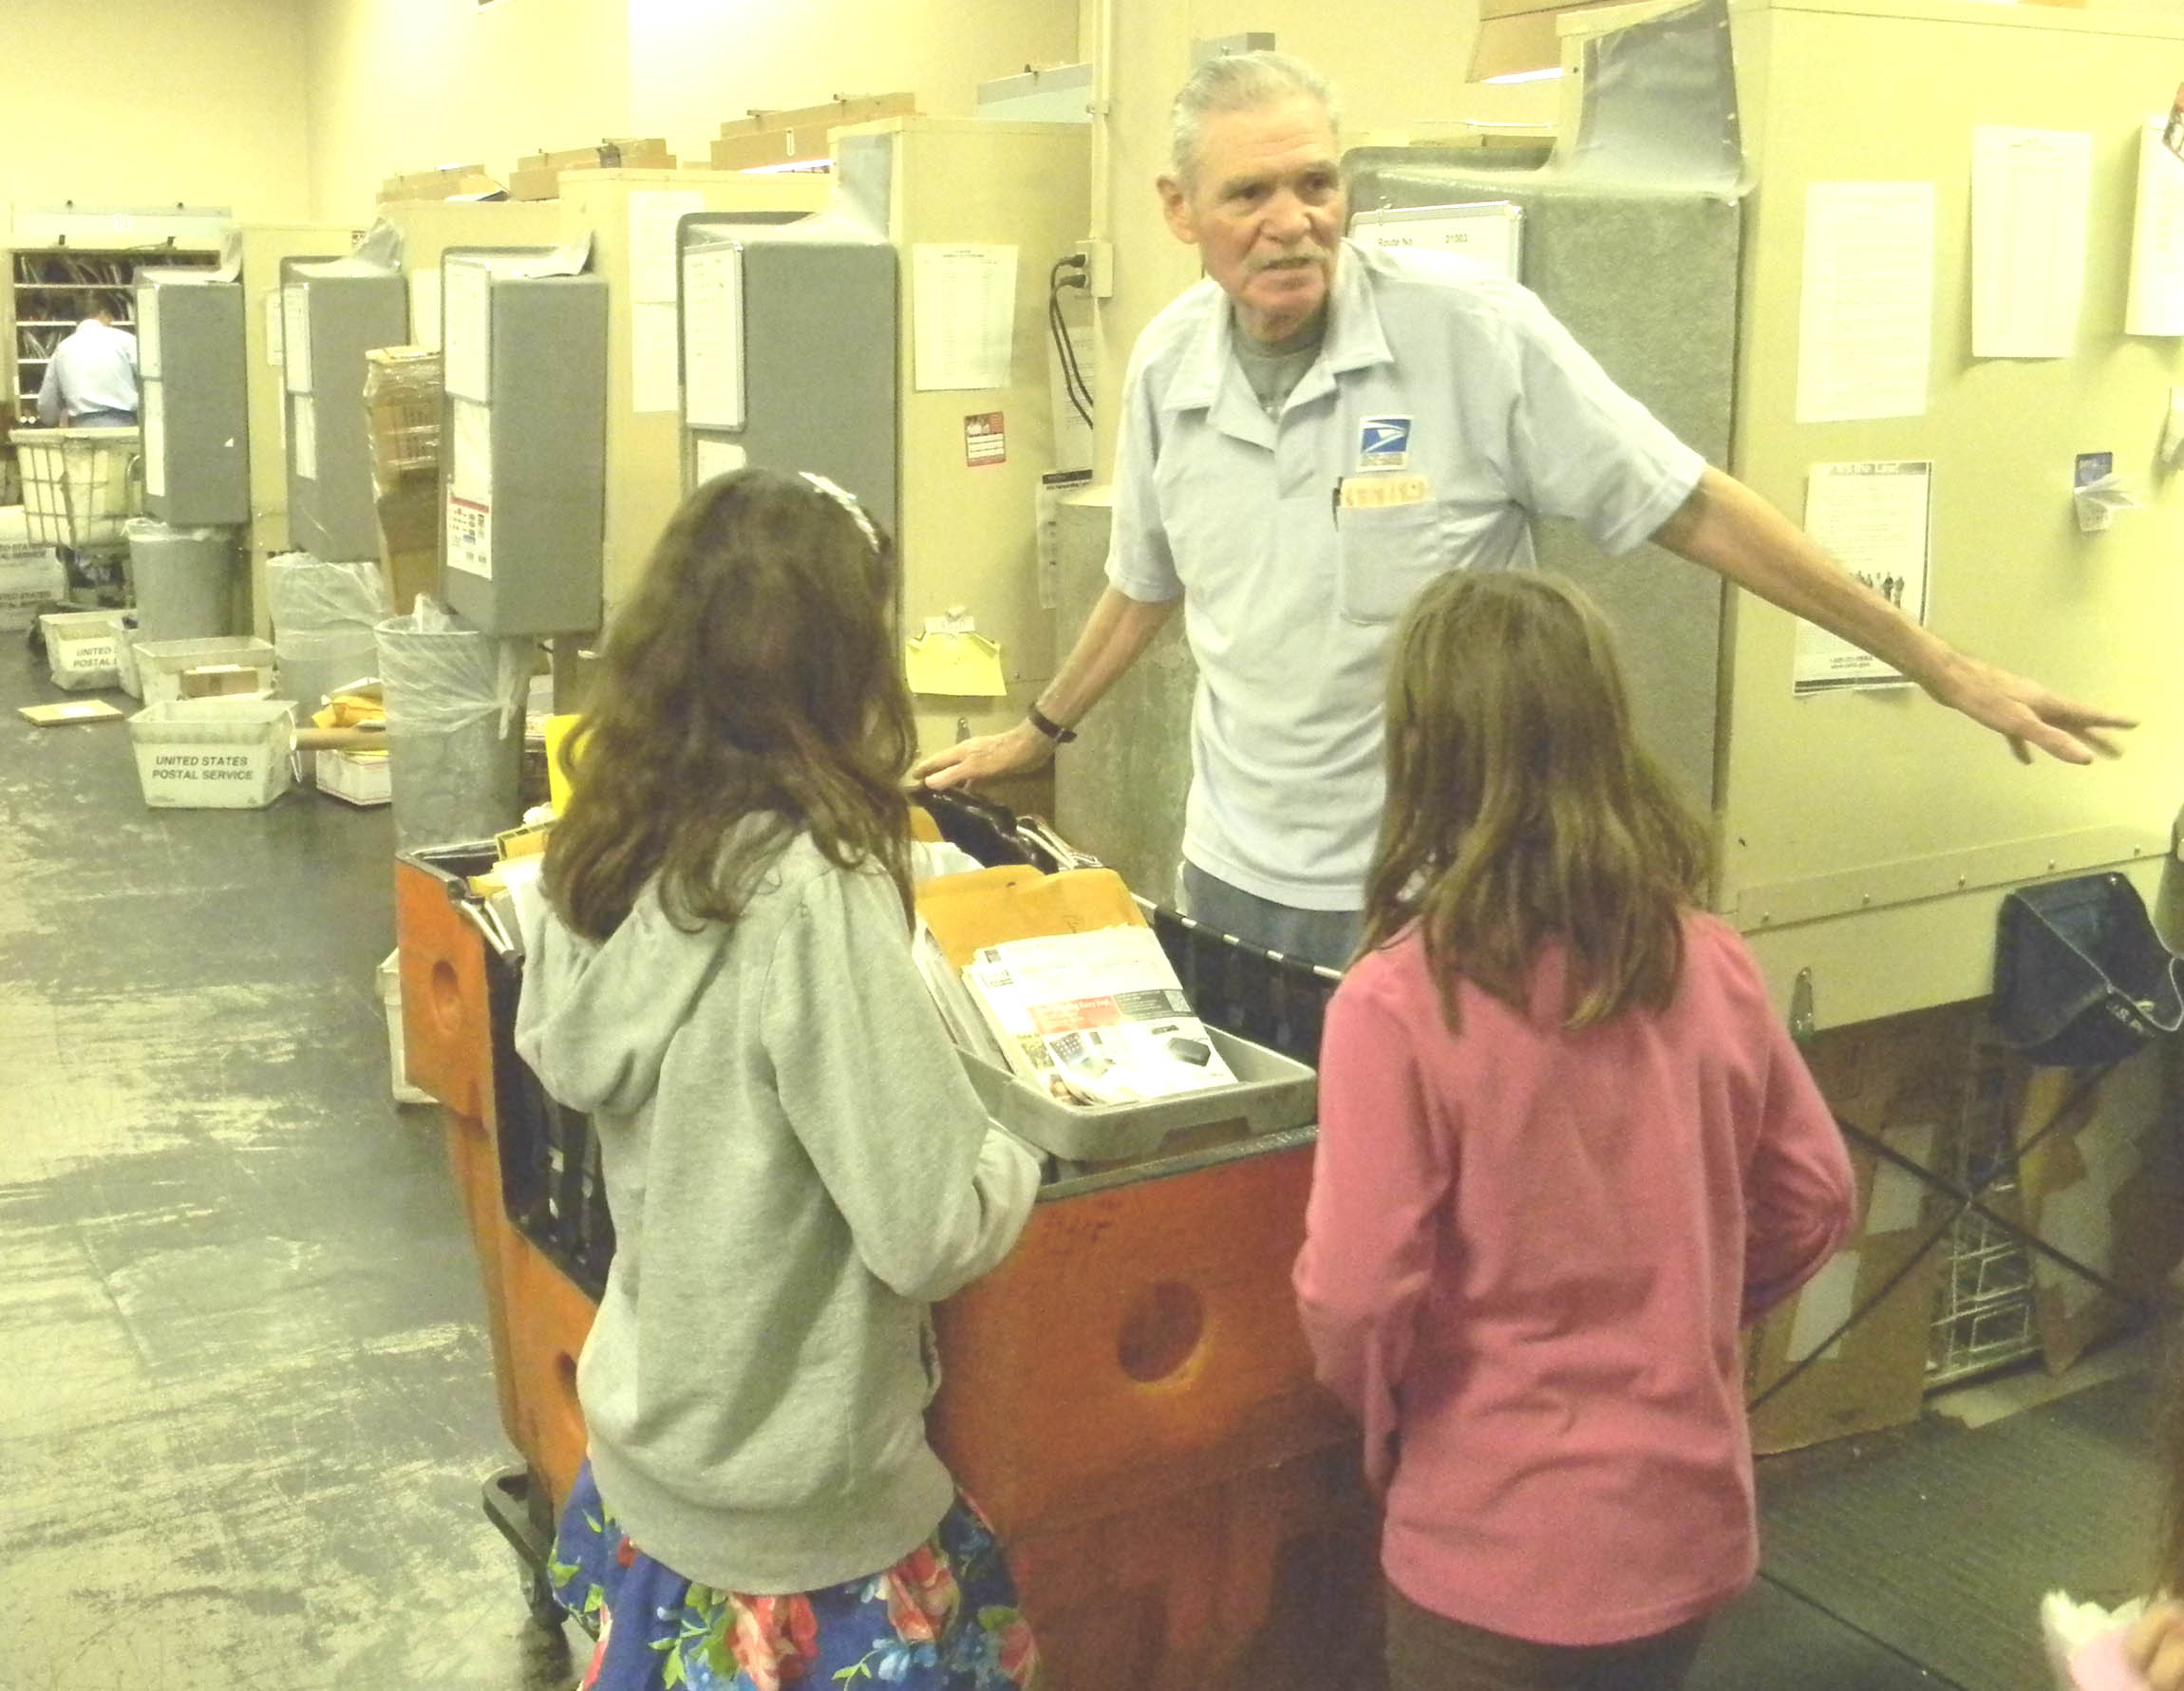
x,y
185,581
453,726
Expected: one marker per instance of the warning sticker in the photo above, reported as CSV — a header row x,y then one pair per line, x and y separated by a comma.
x,y
470,537
985,439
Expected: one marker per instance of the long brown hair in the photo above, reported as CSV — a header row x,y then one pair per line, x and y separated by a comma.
x,y
749,690
1520,806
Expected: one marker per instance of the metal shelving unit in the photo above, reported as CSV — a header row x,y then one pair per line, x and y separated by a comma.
x,y
52,289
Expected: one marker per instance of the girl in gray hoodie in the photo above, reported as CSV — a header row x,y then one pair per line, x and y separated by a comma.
x,y
796,1164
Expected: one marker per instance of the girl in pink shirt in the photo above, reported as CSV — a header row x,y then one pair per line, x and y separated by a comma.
x,y
1566,1150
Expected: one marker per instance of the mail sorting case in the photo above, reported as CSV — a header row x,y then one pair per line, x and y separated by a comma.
x,y
1128,1396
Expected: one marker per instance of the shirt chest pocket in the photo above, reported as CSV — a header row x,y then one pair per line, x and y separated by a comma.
x,y
1385,555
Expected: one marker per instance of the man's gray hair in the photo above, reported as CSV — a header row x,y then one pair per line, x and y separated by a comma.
x,y
1239,82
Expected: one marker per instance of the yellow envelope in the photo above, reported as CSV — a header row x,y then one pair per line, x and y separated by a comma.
x,y
961,665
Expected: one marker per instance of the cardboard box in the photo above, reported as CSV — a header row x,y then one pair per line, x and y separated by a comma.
x,y
357,777
216,681
799,136
84,648
1906,1080
213,754
165,666
457,181
31,577
401,402
409,544
623,153
533,183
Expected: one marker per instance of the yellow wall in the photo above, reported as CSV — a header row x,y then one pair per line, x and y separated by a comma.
x,y
401,86
694,63
143,103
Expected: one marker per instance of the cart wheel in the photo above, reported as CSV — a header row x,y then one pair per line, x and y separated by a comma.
x,y
546,1612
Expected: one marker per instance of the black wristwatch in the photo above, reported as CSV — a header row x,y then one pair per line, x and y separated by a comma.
x,y
1049,726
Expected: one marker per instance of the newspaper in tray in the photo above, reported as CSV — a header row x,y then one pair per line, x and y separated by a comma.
x,y
1096,1017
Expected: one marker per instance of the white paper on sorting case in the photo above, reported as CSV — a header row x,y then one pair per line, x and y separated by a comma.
x,y
155,421
654,382
1876,519
424,307
2030,193
1865,314
2155,301
295,335
273,308
148,332
963,304
719,457
303,445
466,329
713,337
653,213
470,458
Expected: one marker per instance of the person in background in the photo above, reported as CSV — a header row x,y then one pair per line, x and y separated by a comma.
x,y
795,1163
1565,1147
1318,429
91,378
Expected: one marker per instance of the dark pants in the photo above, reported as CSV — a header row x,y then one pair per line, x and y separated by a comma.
x,y
1430,1652
1325,937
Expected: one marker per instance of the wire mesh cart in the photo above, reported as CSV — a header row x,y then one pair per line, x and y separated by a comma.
x,y
81,487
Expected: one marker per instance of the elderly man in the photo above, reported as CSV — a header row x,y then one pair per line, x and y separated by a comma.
x,y
91,378
1318,429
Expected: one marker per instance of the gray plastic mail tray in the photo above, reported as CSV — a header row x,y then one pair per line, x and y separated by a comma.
x,y
1272,1093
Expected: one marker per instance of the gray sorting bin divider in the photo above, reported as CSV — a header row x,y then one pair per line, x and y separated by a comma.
x,y
1272,1093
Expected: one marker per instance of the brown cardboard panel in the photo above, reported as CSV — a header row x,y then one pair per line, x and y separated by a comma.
x,y
2104,1185
79,710
1905,1079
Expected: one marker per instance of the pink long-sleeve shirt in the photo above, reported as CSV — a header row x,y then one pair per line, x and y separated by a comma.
x,y
1528,1253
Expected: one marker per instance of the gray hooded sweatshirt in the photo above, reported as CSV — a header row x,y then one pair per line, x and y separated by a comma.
x,y
797,1166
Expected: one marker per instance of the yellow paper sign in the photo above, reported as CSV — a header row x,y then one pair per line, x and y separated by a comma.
x,y
959,666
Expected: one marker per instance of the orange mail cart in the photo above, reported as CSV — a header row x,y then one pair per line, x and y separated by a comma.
x,y
1128,1396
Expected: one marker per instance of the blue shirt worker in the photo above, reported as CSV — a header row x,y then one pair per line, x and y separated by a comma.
x,y
1318,429
91,378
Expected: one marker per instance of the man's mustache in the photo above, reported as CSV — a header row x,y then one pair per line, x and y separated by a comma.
x,y
1311,250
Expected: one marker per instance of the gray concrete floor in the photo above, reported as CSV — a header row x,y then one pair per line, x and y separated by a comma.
x,y
246,1402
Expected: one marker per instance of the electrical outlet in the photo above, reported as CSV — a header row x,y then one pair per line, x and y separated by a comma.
x,y
1099,268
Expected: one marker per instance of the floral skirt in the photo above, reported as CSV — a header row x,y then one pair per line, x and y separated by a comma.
x,y
942,1619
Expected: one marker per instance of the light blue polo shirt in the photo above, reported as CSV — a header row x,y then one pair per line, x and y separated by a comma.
x,y
1433,368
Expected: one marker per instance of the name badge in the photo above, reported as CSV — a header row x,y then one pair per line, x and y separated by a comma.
x,y
1383,443
1377,493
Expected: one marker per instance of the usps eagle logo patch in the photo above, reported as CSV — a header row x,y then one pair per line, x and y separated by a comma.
x,y
1383,443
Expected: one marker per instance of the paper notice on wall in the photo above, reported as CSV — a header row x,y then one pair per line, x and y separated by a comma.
x,y
1875,520
155,421
964,305
2155,303
273,305
303,436
470,450
654,381
718,458
466,329
653,213
1864,318
469,536
148,332
295,335
424,307
713,338
2030,192
1053,488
